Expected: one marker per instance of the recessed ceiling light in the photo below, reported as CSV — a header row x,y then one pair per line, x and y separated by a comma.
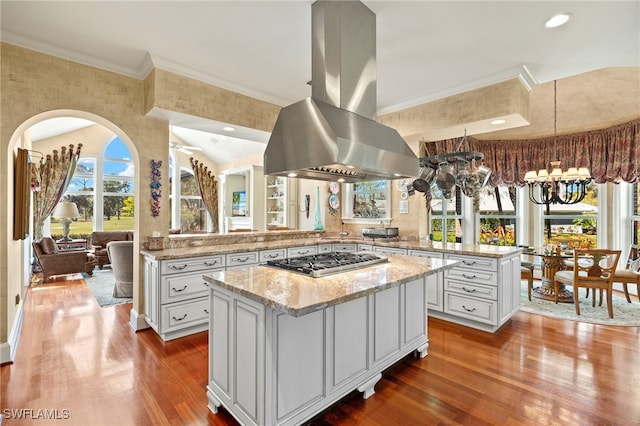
x,y
229,129
557,20
499,121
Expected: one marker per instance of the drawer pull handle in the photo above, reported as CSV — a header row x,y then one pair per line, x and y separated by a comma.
x,y
473,290
469,263
215,262
206,311
180,319
242,259
178,291
469,277
272,256
177,268
468,310
302,252
206,284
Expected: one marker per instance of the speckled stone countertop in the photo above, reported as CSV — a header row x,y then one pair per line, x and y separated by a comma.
x,y
193,246
297,294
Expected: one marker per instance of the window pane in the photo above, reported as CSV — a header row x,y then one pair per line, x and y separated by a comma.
x,y
112,185
188,184
574,225
370,199
193,215
498,216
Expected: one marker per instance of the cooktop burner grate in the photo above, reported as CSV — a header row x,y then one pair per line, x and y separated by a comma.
x,y
320,265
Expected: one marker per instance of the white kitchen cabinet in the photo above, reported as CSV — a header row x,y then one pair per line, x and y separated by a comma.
x,y
389,250
344,247
302,251
176,295
480,291
258,354
435,286
281,205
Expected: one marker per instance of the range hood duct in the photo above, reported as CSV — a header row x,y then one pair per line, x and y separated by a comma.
x,y
333,135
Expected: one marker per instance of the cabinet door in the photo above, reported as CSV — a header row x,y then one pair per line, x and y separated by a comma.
x,y
435,283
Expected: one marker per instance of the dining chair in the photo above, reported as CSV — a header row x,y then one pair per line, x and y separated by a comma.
x,y
631,273
597,273
526,273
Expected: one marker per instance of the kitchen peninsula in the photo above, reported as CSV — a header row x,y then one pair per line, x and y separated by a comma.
x,y
482,292
283,346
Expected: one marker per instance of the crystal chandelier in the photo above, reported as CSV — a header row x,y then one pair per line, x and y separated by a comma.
x,y
459,168
557,186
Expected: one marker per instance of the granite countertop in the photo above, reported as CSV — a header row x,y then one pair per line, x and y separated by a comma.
x,y
191,249
297,294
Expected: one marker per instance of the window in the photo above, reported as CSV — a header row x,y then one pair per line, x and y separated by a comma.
x,y
368,201
115,197
117,187
191,214
574,225
498,215
446,216
80,191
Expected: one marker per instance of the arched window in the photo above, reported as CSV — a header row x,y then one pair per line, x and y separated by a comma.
x,y
102,184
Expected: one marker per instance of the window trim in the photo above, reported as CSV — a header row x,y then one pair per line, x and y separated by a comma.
x,y
347,204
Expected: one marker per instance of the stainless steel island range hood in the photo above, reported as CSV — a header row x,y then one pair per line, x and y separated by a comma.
x,y
333,135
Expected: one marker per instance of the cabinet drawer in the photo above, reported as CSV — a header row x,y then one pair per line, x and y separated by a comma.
x,y
344,247
474,262
422,253
181,287
473,290
472,276
301,251
324,248
242,259
185,314
267,255
474,309
389,250
365,247
175,266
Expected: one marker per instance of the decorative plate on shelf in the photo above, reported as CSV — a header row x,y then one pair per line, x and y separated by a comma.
x,y
401,184
334,187
334,202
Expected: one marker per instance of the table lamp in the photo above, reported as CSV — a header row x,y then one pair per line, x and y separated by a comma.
x,y
66,211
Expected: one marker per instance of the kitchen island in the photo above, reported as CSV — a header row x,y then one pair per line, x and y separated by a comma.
x,y
284,346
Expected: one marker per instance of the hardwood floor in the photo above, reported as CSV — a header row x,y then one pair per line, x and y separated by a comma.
x,y
75,356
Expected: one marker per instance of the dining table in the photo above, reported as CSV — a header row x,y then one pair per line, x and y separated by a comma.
x,y
552,261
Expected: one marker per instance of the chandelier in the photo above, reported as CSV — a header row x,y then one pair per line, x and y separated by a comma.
x,y
557,186
459,168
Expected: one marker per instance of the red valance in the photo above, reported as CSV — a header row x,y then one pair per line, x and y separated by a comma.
x,y
612,154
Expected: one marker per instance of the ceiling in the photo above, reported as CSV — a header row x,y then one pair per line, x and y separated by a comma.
x,y
426,50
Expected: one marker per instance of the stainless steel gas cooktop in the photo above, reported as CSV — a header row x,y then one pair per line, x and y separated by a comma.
x,y
320,265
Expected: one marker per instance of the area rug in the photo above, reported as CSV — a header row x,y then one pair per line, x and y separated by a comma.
x,y
101,286
624,313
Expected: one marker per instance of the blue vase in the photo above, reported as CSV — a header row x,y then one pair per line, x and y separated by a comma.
x,y
318,225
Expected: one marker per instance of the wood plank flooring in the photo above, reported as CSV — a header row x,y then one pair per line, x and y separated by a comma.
x,y
85,362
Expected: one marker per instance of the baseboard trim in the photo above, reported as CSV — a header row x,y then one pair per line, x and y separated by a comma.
x,y
137,322
8,349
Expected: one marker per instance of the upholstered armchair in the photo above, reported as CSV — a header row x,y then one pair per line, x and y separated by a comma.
x,y
121,259
56,262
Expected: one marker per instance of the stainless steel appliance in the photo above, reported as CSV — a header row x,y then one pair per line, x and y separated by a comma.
x,y
333,134
380,232
321,265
